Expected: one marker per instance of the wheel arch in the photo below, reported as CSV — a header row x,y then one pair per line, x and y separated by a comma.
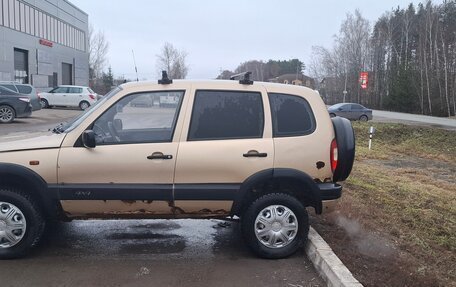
x,y
13,175
290,181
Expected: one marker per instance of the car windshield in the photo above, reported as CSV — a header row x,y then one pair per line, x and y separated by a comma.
x,y
69,126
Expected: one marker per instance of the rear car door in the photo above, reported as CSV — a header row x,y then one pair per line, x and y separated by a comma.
x,y
131,169
74,97
226,139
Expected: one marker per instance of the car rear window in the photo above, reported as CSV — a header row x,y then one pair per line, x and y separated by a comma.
x,y
221,115
23,89
291,115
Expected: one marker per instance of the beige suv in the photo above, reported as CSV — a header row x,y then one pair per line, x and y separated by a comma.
x,y
257,152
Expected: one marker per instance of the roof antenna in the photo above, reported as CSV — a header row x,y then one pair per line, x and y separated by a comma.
x,y
136,68
165,80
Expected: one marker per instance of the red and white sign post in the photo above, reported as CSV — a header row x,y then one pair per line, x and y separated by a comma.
x,y
364,79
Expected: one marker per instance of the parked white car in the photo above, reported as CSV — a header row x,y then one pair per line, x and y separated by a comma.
x,y
69,96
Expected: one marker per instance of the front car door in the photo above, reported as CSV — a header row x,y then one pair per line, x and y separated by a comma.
x,y
226,139
131,170
57,97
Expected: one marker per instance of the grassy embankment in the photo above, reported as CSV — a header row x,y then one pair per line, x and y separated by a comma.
x,y
405,187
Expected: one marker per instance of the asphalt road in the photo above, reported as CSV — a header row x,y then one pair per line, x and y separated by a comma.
x,y
143,252
394,117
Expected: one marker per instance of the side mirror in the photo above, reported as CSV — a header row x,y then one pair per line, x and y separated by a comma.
x,y
88,139
339,109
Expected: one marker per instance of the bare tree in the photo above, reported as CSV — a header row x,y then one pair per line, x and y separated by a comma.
x,y
98,50
173,61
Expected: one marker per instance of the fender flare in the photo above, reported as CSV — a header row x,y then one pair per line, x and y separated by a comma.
x,y
269,176
47,198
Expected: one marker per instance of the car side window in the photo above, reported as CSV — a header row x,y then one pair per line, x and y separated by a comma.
x,y
219,115
10,87
74,90
60,90
23,89
291,115
139,118
356,107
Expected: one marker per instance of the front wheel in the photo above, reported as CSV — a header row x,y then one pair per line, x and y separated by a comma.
x,y
363,118
21,223
44,104
275,225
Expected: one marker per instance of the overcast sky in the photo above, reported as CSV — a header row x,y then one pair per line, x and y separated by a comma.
x,y
220,34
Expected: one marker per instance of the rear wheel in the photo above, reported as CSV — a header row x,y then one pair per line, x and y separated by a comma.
x,y
21,223
84,105
44,104
7,114
363,118
275,225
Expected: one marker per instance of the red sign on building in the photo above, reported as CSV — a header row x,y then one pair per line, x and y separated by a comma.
x,y
363,79
46,43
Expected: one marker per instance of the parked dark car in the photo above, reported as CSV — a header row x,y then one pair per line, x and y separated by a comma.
x,y
350,111
13,105
25,89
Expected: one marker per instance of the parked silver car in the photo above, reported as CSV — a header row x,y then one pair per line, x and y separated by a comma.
x,y
350,111
24,89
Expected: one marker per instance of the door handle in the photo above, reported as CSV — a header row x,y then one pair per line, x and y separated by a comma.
x,y
255,153
159,155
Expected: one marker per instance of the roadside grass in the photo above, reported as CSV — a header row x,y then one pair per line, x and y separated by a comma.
x,y
406,187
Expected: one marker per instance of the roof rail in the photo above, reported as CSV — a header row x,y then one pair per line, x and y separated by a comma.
x,y
245,80
165,80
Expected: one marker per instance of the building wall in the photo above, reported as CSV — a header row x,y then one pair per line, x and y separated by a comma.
x,y
52,32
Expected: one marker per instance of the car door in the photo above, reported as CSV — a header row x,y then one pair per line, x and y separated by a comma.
x,y
226,139
74,96
57,97
131,169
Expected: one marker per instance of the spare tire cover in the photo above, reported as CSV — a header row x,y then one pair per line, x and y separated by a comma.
x,y
345,137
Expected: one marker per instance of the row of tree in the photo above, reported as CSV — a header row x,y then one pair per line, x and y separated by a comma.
x,y
410,54
263,71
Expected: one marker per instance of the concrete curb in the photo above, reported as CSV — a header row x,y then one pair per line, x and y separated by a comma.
x,y
328,265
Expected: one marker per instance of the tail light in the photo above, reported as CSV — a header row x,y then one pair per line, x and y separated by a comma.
x,y
334,155
92,97
38,96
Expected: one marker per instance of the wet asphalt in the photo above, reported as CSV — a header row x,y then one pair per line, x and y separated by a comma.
x,y
183,252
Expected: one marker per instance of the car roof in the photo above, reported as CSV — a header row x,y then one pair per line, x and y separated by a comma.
x,y
14,83
222,84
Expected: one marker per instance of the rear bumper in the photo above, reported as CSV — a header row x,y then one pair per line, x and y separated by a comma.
x,y
24,112
330,191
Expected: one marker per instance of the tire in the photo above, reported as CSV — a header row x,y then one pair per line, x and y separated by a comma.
x,y
84,105
363,118
346,145
7,114
44,104
27,212
257,212
332,115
